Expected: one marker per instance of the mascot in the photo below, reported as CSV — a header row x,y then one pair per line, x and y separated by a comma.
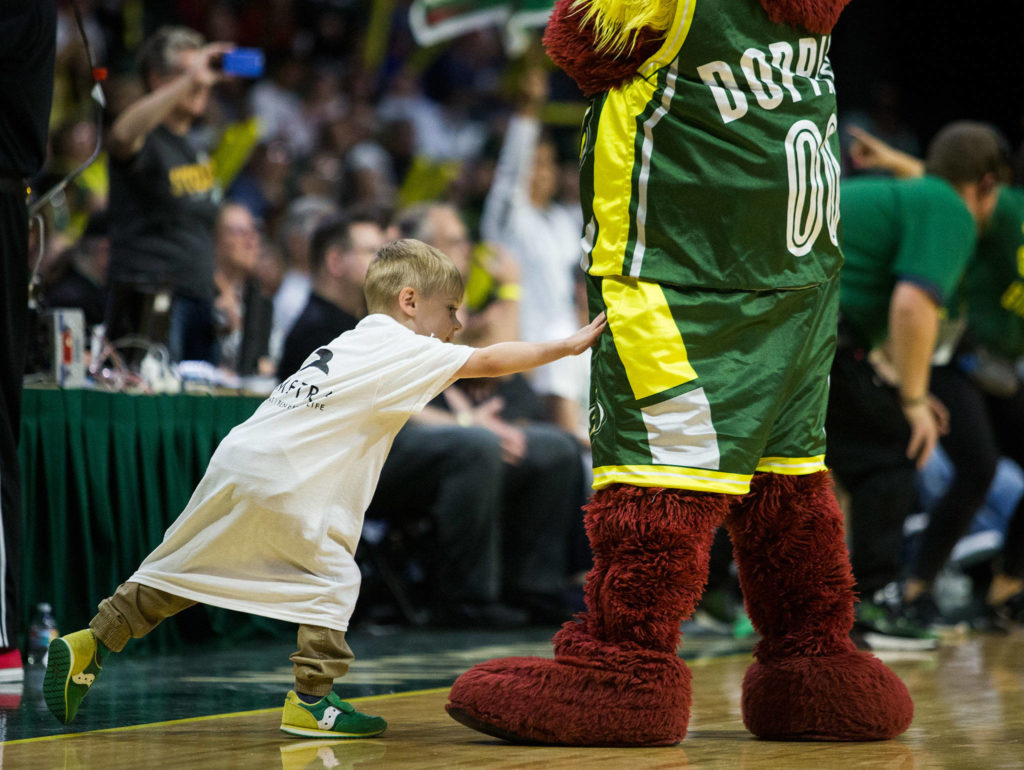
x,y
709,176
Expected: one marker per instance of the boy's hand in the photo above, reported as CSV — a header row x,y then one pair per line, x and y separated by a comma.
x,y
587,336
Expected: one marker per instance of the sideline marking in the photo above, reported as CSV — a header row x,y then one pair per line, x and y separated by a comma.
x,y
208,717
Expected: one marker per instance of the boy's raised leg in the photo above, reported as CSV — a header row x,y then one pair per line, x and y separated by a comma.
x,y
74,661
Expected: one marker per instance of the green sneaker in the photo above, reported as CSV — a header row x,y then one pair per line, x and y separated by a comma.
x,y
329,717
71,669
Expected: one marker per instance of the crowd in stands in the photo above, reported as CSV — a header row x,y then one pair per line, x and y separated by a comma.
x,y
258,204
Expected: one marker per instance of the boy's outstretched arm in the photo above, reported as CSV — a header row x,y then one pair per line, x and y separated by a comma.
x,y
510,357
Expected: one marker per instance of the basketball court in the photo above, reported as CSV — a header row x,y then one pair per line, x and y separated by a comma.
x,y
219,707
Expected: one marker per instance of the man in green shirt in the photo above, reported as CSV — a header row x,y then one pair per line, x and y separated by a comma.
x,y
906,245
985,396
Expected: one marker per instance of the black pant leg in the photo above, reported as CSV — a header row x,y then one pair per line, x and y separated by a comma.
x,y
972,450
541,505
455,475
867,438
13,319
1007,419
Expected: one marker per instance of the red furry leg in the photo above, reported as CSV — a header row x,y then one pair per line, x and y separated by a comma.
x,y
809,681
616,679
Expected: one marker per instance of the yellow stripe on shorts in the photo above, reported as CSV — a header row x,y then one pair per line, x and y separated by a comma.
x,y
673,477
647,339
614,157
792,466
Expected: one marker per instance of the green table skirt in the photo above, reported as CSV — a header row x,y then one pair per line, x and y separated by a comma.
x,y
104,475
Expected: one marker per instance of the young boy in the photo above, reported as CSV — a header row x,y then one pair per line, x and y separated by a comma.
x,y
273,525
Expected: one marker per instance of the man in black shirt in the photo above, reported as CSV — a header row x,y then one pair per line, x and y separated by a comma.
x,y
341,250
163,194
27,47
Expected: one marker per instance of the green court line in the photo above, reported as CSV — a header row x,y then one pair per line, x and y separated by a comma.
x,y
65,736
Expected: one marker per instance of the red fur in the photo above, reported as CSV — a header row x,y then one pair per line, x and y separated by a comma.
x,y
616,678
571,46
787,536
818,16
849,696
592,694
651,550
809,682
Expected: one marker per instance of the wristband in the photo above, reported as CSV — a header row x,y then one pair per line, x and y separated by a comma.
x,y
909,402
510,291
464,419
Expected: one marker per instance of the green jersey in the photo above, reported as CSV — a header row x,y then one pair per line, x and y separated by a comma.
x,y
716,167
994,283
900,229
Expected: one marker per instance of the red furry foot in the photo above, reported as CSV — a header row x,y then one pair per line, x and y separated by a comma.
x,y
850,696
593,694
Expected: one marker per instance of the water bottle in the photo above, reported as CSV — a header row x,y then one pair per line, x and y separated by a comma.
x,y
41,632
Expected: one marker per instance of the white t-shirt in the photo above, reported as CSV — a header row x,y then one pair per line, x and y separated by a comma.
x,y
273,525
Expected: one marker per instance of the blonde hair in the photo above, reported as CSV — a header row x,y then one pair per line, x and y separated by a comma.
x,y
409,262
156,55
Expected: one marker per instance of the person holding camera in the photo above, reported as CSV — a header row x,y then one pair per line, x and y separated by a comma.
x,y
164,196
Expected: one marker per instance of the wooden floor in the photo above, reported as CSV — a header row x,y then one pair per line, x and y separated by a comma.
x,y
969,700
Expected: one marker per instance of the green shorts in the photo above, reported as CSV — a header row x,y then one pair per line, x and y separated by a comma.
x,y
695,389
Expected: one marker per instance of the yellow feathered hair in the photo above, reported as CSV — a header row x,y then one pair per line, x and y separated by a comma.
x,y
617,22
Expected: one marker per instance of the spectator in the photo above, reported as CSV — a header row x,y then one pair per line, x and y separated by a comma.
x,y
277,104
73,143
882,118
522,214
340,252
82,282
539,482
264,187
906,243
243,313
163,194
982,390
300,221
490,272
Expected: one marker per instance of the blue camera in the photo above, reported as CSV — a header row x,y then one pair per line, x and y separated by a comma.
x,y
243,62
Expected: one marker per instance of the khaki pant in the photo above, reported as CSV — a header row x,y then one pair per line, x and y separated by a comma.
x,y
134,610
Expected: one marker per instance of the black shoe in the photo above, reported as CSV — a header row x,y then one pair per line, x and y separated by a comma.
x,y
924,613
881,627
1008,615
482,615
